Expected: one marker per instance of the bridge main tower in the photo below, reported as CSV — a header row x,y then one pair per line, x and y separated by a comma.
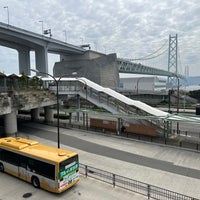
x,y
172,56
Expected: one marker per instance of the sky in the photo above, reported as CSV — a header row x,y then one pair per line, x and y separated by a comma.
x,y
133,29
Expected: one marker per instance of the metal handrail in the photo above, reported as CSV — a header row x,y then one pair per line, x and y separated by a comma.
x,y
152,192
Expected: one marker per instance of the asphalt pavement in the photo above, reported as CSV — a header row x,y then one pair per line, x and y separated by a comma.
x,y
174,169
86,189
98,149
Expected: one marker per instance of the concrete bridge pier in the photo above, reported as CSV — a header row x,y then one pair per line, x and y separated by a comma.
x,y
41,59
24,59
48,114
35,114
10,123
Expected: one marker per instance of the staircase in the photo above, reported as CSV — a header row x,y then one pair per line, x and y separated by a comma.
x,y
108,99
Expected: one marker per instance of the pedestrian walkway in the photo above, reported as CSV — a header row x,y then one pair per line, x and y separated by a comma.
x,y
177,181
86,189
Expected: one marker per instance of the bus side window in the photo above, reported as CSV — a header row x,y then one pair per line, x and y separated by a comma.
x,y
11,158
23,161
28,168
1,154
30,165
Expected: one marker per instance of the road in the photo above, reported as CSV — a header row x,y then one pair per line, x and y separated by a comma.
x,y
174,169
111,152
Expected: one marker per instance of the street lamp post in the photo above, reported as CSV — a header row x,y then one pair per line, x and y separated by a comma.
x,y
85,88
42,26
85,114
6,7
65,34
81,38
169,100
178,101
178,94
57,104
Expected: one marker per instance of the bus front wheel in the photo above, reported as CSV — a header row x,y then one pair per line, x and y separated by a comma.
x,y
1,167
35,182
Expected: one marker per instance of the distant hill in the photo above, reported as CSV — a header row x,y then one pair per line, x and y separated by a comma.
x,y
193,80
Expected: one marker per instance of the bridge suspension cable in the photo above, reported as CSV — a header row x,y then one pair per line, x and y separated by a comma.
x,y
148,56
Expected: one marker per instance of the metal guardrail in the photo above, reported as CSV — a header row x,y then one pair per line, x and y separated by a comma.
x,y
150,191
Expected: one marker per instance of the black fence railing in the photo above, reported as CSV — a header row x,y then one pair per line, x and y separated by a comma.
x,y
150,191
190,145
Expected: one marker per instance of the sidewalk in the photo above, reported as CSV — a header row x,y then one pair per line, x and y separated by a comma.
x,y
176,157
86,189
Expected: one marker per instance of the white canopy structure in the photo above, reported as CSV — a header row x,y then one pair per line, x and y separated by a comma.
x,y
152,112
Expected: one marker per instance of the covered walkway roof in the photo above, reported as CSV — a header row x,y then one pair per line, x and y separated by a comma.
x,y
153,113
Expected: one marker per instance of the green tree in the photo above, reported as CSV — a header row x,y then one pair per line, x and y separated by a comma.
x,y
195,94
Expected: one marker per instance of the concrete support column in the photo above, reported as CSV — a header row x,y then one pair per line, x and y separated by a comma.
x,y
78,105
10,123
70,118
35,114
83,119
48,114
87,121
41,59
24,60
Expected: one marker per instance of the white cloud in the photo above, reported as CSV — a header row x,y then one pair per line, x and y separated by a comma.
x,y
131,28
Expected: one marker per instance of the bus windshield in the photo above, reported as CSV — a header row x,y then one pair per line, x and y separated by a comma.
x,y
68,171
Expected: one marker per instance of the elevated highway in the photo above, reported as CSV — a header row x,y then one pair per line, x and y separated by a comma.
x,y
11,36
25,41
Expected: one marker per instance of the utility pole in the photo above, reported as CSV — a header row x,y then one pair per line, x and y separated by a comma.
x,y
8,15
